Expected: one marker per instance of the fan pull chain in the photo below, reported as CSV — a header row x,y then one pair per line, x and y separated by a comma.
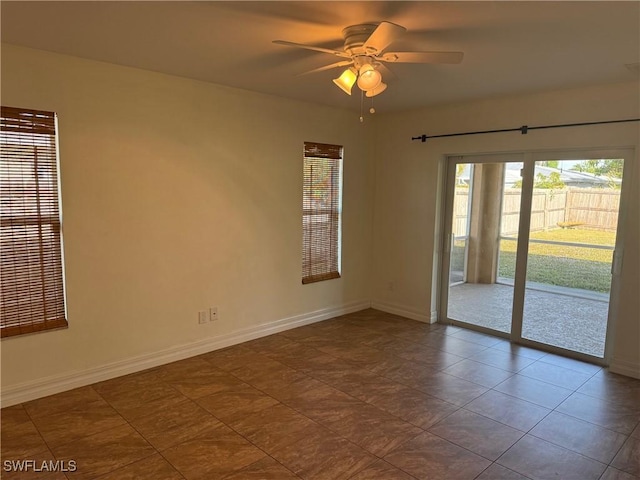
x,y
361,105
372,110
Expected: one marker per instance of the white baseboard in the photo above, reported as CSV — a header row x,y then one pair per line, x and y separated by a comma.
x,y
403,311
59,383
624,367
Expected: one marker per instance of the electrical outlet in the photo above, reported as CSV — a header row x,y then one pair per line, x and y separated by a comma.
x,y
213,314
202,317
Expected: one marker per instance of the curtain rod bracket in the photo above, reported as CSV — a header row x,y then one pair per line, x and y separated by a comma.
x,y
422,138
524,130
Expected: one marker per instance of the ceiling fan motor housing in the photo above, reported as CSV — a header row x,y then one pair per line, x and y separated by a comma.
x,y
355,36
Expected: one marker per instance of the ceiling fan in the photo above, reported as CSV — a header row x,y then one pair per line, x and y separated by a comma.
x,y
364,56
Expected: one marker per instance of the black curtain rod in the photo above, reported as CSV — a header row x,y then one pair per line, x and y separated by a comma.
x,y
523,129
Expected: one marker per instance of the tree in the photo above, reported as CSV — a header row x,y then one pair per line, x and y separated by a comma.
x,y
550,181
605,167
459,172
550,163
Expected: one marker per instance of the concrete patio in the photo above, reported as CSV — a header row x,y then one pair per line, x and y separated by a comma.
x,y
575,320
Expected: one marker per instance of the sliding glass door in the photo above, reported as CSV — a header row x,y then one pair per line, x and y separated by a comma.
x,y
572,237
530,249
484,207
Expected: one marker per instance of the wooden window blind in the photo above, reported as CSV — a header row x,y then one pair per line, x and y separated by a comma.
x,y
32,292
322,183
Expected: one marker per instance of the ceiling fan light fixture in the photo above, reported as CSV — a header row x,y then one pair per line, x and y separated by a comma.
x,y
346,80
364,54
369,78
377,91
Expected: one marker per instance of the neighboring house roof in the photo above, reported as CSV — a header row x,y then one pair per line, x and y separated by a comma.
x,y
571,178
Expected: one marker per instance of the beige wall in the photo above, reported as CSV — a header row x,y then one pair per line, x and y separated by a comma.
x,y
408,188
179,195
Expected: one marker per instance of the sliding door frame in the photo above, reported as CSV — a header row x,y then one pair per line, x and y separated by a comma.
x,y
447,224
627,154
529,159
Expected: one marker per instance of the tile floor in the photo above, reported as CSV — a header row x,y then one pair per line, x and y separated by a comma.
x,y
364,396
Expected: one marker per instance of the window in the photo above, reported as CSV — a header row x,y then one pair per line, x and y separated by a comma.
x,y
321,202
32,292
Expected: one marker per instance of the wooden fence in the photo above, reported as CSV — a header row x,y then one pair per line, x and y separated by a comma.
x,y
593,208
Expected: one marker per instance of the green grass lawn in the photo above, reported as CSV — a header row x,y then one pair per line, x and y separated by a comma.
x,y
567,266
562,265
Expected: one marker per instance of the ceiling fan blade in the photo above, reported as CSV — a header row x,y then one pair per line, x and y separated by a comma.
x,y
384,34
343,63
386,72
337,53
421,57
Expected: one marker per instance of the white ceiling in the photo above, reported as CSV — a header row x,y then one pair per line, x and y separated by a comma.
x,y
510,47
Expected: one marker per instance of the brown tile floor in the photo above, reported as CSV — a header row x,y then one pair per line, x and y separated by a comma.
x,y
364,396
